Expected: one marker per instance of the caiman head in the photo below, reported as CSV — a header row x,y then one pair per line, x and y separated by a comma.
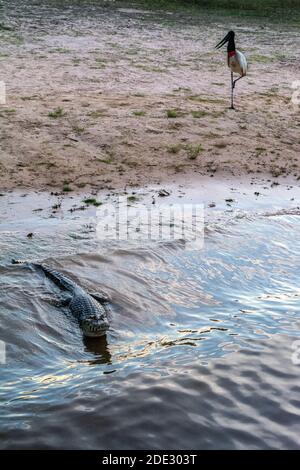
x,y
91,315
94,327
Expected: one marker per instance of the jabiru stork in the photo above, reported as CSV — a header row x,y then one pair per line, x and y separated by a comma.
x,y
236,60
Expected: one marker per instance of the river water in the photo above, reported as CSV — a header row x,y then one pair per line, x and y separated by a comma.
x,y
200,350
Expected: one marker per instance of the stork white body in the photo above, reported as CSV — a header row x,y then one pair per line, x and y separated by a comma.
x,y
236,60
238,63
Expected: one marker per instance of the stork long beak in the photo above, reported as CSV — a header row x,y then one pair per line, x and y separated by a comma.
x,y
224,40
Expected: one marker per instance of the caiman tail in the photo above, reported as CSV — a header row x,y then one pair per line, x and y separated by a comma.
x,y
62,281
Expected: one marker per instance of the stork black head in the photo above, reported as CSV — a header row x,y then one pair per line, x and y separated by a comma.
x,y
228,38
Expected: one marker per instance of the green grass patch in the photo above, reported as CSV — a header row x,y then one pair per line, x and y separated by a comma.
x,y
139,113
57,113
261,59
199,114
29,98
100,63
174,149
172,113
59,50
9,110
150,68
96,114
132,198
92,202
205,99
107,160
67,188
193,151
78,130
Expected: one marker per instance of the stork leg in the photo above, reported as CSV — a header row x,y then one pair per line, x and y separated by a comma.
x,y
236,80
232,88
233,82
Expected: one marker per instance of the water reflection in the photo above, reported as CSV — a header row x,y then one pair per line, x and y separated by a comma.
x,y
99,348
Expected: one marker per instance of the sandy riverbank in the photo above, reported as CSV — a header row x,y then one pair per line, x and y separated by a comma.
x,y
108,98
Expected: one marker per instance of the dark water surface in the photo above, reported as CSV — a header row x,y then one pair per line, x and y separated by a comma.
x,y
199,354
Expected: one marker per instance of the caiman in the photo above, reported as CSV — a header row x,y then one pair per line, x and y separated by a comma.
x,y
91,310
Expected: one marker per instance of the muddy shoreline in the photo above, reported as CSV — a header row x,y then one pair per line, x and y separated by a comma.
x,y
103,99
31,212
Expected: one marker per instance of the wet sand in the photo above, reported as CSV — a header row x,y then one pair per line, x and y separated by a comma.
x,y
107,98
222,198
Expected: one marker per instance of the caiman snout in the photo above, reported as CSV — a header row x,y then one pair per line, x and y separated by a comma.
x,y
94,328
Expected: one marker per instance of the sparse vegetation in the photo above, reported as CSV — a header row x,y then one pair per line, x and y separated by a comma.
x,y
59,50
78,130
193,151
9,111
172,113
96,114
266,59
92,202
67,188
28,98
150,68
132,198
108,160
174,148
100,64
57,113
205,99
199,114
139,113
